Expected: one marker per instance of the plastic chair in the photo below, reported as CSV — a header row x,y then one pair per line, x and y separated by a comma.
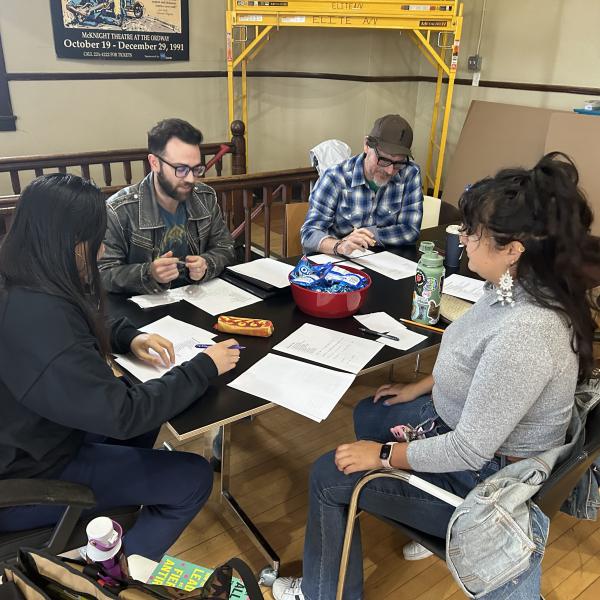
x,y
549,498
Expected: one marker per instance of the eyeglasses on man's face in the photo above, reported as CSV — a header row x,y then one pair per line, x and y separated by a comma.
x,y
182,171
383,161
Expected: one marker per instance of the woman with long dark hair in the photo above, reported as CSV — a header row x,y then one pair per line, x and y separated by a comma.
x,y
63,413
502,388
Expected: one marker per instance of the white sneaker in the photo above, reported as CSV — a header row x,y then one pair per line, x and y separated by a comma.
x,y
287,588
415,551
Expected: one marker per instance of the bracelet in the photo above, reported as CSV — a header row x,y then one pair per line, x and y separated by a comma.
x,y
335,247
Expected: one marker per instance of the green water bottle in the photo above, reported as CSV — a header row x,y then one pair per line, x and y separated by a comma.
x,y
429,281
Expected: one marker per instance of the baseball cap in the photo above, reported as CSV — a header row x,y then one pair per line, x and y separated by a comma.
x,y
392,134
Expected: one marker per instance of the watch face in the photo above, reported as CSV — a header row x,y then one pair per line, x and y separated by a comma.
x,y
384,453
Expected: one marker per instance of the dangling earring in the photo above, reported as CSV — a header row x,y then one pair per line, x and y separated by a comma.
x,y
504,289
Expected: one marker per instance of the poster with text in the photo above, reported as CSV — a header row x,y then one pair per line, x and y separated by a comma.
x,y
121,29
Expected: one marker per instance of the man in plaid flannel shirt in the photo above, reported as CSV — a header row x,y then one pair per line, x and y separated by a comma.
x,y
372,198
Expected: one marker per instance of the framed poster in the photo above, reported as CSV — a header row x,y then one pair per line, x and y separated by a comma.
x,y
121,29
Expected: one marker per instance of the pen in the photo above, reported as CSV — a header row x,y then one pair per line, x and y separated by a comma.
x,y
380,334
236,347
422,325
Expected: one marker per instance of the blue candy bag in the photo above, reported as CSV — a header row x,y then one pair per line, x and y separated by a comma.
x,y
326,278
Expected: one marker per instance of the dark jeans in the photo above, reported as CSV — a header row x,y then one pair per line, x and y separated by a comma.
x,y
171,486
330,492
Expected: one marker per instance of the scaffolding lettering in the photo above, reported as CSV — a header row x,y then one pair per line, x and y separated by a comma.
x,y
370,21
331,20
347,5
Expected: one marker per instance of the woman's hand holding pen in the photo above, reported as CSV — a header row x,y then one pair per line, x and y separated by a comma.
x,y
223,355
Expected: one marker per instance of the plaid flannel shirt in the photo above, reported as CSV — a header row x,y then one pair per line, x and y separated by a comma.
x,y
342,200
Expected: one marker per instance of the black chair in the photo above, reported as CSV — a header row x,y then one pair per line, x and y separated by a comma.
x,y
550,497
69,532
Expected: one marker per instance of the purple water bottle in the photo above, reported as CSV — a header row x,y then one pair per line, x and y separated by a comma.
x,y
105,546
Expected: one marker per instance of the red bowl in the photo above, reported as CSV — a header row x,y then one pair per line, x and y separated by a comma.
x,y
331,306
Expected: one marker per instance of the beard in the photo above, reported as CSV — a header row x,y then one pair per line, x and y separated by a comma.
x,y
181,192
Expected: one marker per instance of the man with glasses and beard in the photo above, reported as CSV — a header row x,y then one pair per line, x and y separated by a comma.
x,y
374,198
167,230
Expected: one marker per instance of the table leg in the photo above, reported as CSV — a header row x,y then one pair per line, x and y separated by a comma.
x,y
268,574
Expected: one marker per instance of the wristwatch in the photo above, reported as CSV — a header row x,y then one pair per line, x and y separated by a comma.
x,y
335,247
385,454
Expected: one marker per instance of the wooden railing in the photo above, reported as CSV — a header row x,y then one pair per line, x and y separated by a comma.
x,y
243,199
124,160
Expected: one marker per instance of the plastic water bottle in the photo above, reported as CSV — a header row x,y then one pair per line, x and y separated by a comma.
x,y
429,281
104,547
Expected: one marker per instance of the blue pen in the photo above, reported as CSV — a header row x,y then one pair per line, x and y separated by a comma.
x,y
236,347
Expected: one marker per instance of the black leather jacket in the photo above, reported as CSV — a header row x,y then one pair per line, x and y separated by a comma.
x,y
135,230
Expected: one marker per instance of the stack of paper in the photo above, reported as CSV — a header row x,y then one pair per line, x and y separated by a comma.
x,y
384,323
270,271
466,288
153,300
323,259
277,379
184,337
329,347
388,264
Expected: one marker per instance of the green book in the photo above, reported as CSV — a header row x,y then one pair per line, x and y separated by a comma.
x,y
174,572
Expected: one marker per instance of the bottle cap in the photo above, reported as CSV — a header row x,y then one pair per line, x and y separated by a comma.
x,y
432,259
426,247
104,539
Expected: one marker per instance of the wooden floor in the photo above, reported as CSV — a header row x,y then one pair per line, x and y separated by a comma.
x,y
271,457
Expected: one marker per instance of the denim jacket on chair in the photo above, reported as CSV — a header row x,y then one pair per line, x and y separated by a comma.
x,y
489,539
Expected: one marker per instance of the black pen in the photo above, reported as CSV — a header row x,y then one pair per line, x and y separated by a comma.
x,y
379,333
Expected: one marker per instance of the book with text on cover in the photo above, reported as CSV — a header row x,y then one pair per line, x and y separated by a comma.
x,y
174,572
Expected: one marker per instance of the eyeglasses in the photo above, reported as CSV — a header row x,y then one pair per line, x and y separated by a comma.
x,y
382,161
473,237
182,171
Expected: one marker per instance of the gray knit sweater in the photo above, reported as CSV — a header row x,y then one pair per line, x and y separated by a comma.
x,y
505,380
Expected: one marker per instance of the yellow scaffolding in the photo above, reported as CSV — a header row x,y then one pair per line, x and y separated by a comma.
x,y
435,27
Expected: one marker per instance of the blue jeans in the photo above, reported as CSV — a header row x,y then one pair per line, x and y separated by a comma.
x,y
330,492
171,486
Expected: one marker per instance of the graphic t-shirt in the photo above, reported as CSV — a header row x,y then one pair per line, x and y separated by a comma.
x,y
174,238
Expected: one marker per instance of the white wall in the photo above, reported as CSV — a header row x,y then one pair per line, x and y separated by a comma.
x,y
537,41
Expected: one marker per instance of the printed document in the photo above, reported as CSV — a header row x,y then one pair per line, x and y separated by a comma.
x,y
184,337
384,323
274,378
323,259
466,288
329,347
268,270
217,296
388,264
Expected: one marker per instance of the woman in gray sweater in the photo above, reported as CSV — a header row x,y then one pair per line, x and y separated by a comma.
x,y
502,387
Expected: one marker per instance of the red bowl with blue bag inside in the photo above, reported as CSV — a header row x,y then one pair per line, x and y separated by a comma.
x,y
328,291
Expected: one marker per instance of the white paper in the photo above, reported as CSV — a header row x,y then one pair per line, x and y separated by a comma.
x,y
328,347
466,288
323,259
184,337
184,350
176,330
388,264
268,270
218,296
272,377
384,323
152,300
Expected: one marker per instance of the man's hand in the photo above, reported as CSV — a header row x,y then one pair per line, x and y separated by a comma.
x,y
196,266
359,239
399,392
358,456
141,345
164,268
